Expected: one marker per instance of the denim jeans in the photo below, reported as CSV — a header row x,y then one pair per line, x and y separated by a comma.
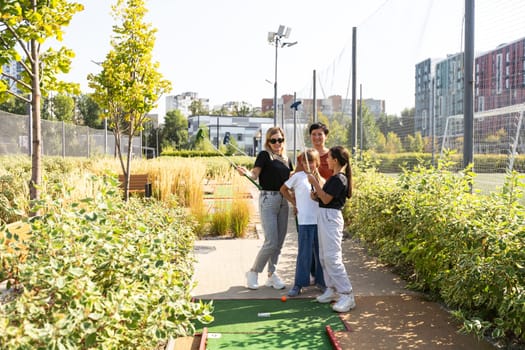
x,y
273,210
307,249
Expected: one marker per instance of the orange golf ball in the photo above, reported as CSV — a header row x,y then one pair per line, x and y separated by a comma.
x,y
283,298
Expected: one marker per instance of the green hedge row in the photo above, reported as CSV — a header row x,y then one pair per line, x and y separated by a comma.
x,y
99,273
396,162
483,163
467,249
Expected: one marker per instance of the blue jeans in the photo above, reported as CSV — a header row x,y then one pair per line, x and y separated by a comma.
x,y
273,209
307,249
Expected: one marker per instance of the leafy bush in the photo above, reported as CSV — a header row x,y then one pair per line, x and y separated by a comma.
x,y
466,249
102,273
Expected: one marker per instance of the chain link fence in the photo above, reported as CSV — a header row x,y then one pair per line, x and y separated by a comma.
x,y
59,138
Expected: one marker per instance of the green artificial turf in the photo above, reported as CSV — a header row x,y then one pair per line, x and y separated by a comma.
x,y
294,324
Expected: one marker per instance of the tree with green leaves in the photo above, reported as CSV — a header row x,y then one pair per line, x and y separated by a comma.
x,y
241,109
14,105
370,130
201,141
197,108
415,143
129,85
393,143
59,107
175,130
25,25
90,112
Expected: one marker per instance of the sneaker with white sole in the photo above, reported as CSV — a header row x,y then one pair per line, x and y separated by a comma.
x,y
275,282
329,295
345,303
251,280
295,291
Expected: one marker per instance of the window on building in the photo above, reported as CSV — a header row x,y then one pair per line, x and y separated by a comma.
x,y
499,73
481,103
523,80
239,137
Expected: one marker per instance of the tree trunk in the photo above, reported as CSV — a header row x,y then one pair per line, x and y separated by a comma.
x,y
36,160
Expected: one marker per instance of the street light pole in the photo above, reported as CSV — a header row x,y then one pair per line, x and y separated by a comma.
x,y
275,38
275,84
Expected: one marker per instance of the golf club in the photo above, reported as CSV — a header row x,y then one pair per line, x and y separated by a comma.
x,y
235,165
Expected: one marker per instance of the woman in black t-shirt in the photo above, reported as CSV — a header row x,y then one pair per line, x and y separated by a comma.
x,y
272,168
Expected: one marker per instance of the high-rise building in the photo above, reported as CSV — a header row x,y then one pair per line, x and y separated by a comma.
x,y
14,69
438,93
500,77
423,94
183,102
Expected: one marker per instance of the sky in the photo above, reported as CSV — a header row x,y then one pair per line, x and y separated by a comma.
x,y
219,49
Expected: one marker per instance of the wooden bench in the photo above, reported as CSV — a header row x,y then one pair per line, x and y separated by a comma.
x,y
137,183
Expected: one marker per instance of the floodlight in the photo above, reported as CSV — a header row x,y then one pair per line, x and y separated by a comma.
x,y
288,44
295,105
276,37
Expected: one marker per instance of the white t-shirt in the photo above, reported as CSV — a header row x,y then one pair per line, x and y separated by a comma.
x,y
306,207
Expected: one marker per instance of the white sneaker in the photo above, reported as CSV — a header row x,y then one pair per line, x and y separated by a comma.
x,y
345,303
251,280
275,282
328,296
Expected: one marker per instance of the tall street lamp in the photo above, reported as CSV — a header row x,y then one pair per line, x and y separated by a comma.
x,y
276,38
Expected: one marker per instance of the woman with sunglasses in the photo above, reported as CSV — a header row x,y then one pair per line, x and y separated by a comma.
x,y
272,167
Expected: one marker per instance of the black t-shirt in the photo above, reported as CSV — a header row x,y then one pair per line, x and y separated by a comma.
x,y
336,186
273,172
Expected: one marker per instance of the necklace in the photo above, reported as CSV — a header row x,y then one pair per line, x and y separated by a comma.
x,y
282,159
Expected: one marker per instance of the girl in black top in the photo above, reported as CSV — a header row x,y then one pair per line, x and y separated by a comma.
x,y
332,198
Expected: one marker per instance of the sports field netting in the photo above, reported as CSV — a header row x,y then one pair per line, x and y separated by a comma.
x,y
294,324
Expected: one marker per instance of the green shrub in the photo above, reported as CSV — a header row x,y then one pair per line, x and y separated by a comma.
x,y
466,249
220,220
102,273
240,217
489,163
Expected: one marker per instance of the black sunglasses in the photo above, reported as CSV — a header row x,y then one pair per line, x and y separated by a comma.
x,y
274,141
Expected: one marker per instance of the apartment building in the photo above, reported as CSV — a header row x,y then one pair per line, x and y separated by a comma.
x,y
183,102
13,69
500,77
499,81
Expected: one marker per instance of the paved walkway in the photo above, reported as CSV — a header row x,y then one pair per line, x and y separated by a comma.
x,y
387,316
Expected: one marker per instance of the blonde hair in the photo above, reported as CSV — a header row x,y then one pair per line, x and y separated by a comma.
x,y
269,134
312,155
